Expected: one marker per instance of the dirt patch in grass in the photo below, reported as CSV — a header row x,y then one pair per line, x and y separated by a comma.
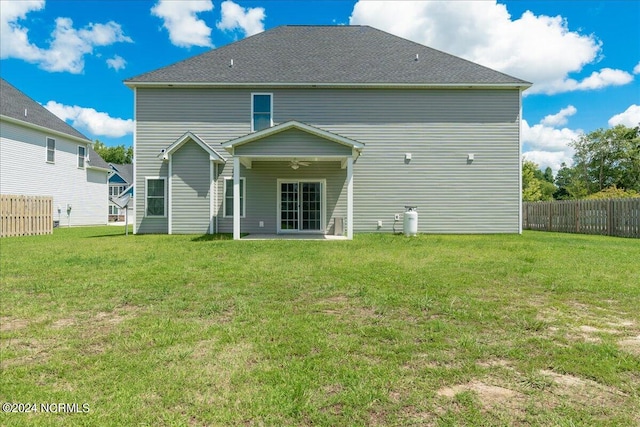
x,y
29,351
63,323
581,390
8,324
545,389
591,325
490,396
631,345
495,363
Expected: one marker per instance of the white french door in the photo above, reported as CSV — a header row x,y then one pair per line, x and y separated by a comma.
x,y
300,206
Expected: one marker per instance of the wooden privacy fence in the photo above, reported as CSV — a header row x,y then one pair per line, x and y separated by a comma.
x,y
25,215
610,217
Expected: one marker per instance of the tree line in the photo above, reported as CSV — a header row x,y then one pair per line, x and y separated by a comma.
x,y
118,154
606,164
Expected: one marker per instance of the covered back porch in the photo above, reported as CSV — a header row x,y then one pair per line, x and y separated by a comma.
x,y
297,174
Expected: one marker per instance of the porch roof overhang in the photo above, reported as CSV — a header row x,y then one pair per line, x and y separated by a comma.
x,y
355,147
190,136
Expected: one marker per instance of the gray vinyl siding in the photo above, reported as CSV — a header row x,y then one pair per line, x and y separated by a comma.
x,y
190,190
439,127
295,143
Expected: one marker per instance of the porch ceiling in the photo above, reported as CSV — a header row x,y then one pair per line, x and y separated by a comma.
x,y
247,161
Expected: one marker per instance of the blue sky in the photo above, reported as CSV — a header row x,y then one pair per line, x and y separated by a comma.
x,y
583,57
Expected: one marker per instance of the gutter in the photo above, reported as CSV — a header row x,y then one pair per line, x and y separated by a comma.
x,y
310,85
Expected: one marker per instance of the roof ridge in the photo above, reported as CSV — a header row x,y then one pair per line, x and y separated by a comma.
x,y
328,55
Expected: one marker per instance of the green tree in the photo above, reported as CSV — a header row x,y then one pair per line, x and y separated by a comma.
x,y
534,185
569,186
118,154
607,157
614,193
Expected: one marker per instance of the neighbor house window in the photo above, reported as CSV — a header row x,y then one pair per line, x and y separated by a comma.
x,y
228,197
261,111
156,200
51,150
115,190
82,156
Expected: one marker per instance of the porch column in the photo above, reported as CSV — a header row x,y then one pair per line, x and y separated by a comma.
x,y
350,198
236,198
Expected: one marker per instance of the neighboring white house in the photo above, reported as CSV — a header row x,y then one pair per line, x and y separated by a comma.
x,y
328,130
41,155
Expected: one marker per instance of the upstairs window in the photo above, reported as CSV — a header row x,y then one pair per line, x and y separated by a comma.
x,y
51,150
82,156
261,111
115,190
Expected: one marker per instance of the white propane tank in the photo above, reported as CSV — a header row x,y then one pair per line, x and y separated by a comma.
x,y
410,224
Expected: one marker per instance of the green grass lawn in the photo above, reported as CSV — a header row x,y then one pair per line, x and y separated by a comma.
x,y
539,329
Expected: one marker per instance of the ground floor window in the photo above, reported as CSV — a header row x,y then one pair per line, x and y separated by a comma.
x,y
156,197
228,197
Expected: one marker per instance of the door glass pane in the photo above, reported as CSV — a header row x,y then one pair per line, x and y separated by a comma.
x,y
311,206
289,206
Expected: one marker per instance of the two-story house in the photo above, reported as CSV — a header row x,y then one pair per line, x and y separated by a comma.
x,y
320,129
41,155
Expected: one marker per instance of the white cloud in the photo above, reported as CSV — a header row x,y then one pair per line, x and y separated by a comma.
x,y
68,46
248,20
14,38
181,20
537,48
560,118
552,159
95,122
630,117
597,80
636,69
117,63
548,145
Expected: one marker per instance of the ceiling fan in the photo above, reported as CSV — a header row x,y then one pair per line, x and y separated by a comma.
x,y
295,164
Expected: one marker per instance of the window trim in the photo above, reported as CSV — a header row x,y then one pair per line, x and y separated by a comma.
x,y
116,189
253,95
53,151
84,157
243,197
146,195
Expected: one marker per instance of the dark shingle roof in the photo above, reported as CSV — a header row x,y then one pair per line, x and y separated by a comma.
x,y
125,171
96,161
326,55
14,103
